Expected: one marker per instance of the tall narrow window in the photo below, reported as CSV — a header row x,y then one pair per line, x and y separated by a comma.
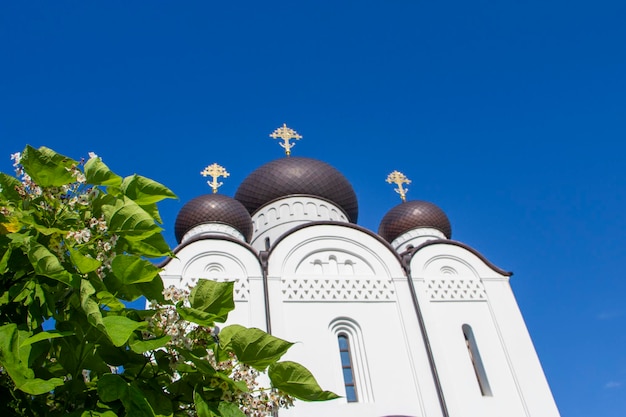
x,y
353,357
477,362
347,368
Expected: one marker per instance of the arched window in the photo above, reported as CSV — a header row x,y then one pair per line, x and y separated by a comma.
x,y
477,363
354,368
347,368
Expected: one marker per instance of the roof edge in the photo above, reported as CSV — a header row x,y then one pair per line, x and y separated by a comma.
x,y
411,252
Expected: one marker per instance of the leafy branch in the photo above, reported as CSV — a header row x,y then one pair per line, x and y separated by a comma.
x,y
75,244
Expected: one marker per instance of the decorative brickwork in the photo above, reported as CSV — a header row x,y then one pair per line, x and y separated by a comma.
x,y
333,289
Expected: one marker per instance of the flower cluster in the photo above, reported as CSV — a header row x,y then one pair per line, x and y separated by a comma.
x,y
90,233
253,402
167,320
28,187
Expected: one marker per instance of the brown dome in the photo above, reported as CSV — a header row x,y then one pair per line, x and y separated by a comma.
x,y
213,208
412,215
288,176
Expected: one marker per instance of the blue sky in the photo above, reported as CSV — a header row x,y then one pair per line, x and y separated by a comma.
x,y
509,115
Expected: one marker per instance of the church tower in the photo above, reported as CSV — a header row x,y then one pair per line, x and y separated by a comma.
x,y
403,322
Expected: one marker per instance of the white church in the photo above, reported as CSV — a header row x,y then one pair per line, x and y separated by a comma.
x,y
403,322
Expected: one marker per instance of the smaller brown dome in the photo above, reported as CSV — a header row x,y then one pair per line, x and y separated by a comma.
x,y
213,208
412,215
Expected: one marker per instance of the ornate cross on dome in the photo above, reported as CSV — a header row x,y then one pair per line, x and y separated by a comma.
x,y
286,134
398,178
215,171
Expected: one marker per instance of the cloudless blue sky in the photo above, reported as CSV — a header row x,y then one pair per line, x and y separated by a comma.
x,y
509,115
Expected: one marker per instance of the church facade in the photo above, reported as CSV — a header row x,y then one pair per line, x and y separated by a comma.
x,y
402,322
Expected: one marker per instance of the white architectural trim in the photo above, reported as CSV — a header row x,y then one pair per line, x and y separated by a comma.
x,y
207,229
369,256
278,217
416,237
362,378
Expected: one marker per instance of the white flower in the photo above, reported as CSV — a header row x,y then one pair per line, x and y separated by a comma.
x,y
80,236
16,158
92,155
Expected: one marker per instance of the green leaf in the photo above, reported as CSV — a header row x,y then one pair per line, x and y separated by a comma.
x,y
255,347
111,387
213,297
17,368
85,264
124,292
89,305
130,269
47,264
202,407
160,402
45,336
228,409
46,167
153,246
153,210
227,333
94,413
8,185
144,190
196,316
136,404
119,328
47,231
109,300
128,219
37,386
141,346
98,173
4,260
153,290
297,381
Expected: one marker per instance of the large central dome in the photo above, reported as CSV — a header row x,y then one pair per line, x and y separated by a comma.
x,y
288,176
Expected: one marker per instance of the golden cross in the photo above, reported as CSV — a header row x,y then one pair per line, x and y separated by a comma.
x,y
214,171
398,178
286,134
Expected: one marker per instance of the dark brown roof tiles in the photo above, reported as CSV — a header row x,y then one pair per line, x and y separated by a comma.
x,y
294,175
412,215
211,208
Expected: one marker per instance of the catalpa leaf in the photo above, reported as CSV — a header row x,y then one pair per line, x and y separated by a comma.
x,y
98,173
10,359
89,305
47,264
255,347
144,190
130,269
46,167
126,218
84,263
213,297
8,185
297,381
140,346
45,336
119,328
111,387
153,246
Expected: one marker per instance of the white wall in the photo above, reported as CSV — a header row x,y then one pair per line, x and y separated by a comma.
x,y
455,287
